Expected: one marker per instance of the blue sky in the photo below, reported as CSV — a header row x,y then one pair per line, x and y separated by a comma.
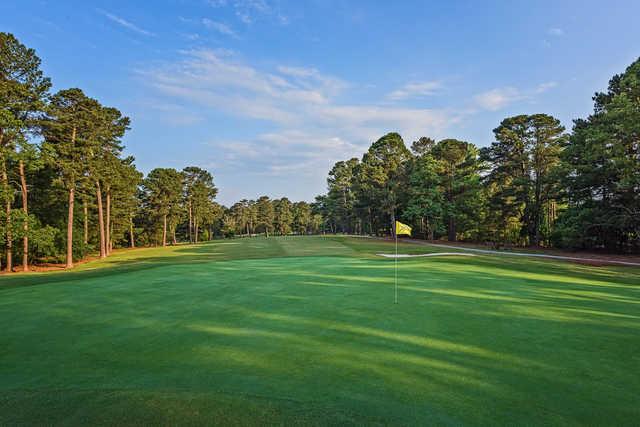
x,y
268,94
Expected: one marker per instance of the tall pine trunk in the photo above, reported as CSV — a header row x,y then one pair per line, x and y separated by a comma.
x,y
72,191
25,225
9,240
451,226
195,231
190,223
534,232
85,210
132,240
103,248
107,248
164,230
451,229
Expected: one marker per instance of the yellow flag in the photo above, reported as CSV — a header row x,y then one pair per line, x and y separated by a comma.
x,y
402,229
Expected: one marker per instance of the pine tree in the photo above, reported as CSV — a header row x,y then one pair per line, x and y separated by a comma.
x,y
68,134
23,91
163,189
383,173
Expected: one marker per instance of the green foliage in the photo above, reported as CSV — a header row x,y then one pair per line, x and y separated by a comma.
x,y
523,176
42,241
283,216
602,165
425,206
383,174
265,215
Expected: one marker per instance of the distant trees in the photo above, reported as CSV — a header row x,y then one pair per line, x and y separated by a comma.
x,y
265,215
199,192
302,220
283,216
162,190
341,194
277,216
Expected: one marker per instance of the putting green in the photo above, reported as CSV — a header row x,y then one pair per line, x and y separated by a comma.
x,y
303,330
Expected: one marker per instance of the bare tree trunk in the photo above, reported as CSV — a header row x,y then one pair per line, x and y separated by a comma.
x,y
70,227
195,226
107,248
173,235
72,191
9,241
451,228
103,247
452,235
190,223
132,240
164,230
85,210
25,225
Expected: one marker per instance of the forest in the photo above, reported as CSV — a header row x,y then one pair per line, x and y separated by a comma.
x,y
535,185
68,191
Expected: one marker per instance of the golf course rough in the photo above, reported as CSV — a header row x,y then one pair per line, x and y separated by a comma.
x,y
303,331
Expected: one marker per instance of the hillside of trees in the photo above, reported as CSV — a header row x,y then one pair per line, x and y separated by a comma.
x,y
67,190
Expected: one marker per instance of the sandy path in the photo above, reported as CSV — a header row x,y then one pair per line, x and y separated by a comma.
x,y
526,254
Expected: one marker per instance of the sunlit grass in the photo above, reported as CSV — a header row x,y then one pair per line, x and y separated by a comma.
x,y
303,330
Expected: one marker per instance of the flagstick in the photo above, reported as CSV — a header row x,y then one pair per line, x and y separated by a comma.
x,y
396,265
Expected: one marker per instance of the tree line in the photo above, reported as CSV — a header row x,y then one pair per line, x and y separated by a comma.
x,y
67,190
535,185
266,216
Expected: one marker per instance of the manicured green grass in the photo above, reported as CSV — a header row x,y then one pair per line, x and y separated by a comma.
x,y
303,330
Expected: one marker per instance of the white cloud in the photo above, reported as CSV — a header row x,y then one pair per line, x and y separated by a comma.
x,y
544,87
248,11
312,128
126,24
497,99
415,90
244,17
500,98
219,27
557,32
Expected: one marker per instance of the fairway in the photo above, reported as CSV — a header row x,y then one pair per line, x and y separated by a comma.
x,y
303,330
